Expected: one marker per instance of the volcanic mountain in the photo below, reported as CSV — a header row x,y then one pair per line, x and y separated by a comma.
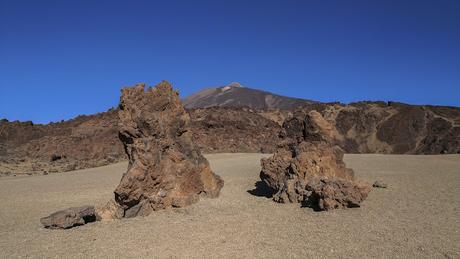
x,y
235,95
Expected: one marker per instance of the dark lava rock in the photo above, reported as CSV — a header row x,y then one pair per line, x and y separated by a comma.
x,y
379,184
69,218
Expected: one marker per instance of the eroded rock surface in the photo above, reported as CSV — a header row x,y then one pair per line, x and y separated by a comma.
x,y
166,169
335,193
308,168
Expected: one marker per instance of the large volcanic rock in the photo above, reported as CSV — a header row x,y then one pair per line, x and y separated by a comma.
x,y
166,169
308,168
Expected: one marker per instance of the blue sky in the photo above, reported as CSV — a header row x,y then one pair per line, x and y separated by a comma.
x,y
59,59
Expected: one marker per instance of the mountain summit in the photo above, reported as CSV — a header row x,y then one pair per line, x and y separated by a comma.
x,y
236,95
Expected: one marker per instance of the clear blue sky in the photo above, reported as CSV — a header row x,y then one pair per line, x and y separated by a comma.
x,y
62,58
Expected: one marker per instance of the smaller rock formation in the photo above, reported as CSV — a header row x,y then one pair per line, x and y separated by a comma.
x,y
308,168
70,217
327,194
379,184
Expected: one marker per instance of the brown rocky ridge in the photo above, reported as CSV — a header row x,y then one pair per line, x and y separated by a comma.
x,y
364,127
308,167
166,169
83,142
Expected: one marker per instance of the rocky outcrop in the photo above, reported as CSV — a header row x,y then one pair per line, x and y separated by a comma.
x,y
69,218
166,169
308,168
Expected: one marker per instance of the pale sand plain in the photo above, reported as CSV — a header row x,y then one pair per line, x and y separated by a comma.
x,y
418,216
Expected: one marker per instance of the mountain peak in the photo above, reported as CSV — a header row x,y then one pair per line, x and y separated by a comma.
x,y
236,95
231,86
234,84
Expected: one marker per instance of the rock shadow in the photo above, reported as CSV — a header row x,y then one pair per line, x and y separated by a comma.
x,y
261,190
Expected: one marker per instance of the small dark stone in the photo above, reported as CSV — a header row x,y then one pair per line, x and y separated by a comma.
x,y
378,184
55,157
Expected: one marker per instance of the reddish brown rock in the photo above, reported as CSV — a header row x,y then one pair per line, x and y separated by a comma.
x,y
166,169
309,169
335,193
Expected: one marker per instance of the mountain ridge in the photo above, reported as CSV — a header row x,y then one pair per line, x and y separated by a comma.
x,y
362,127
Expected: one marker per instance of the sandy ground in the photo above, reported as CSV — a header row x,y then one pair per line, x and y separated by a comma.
x,y
418,216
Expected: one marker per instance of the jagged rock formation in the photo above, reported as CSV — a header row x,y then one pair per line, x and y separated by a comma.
x,y
308,168
166,169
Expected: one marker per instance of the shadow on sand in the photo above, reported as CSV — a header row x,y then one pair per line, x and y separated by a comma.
x,y
261,190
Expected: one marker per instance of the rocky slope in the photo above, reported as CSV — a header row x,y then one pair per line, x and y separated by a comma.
x,y
235,95
394,128
83,142
221,129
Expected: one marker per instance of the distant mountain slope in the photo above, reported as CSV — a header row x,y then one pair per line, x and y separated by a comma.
x,y
362,127
235,95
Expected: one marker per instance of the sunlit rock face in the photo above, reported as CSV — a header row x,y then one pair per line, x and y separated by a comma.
x,y
166,169
308,168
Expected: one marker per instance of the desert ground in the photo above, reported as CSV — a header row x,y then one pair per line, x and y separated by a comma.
x,y
418,216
